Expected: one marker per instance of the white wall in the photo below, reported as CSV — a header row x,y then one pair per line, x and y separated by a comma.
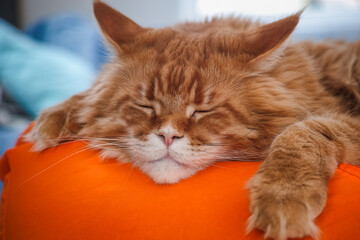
x,y
324,21
148,13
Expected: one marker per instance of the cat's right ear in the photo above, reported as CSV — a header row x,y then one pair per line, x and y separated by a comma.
x,y
117,28
269,37
265,44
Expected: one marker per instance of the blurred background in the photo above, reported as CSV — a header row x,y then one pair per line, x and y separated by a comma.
x,y
50,49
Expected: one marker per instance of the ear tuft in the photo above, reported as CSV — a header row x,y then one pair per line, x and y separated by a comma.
x,y
117,27
269,37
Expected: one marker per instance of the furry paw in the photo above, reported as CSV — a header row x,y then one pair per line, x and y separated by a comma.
x,y
57,124
281,210
47,130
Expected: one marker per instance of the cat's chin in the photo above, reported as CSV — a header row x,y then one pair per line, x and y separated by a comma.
x,y
167,171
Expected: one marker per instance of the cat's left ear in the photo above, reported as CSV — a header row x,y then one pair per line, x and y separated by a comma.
x,y
265,40
117,28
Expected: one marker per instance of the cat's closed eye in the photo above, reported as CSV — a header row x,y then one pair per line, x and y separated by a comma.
x,y
199,113
147,108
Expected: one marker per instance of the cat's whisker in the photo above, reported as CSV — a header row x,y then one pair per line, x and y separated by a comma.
x,y
72,134
205,163
53,165
88,147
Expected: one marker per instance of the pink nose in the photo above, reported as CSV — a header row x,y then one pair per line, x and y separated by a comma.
x,y
168,137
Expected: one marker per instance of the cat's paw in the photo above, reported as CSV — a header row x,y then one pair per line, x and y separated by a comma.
x,y
47,130
279,212
57,124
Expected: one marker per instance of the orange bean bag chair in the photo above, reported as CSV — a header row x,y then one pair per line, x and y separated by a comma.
x,y
68,192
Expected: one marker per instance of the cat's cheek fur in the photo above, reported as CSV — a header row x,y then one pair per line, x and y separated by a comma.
x,y
145,151
115,154
195,157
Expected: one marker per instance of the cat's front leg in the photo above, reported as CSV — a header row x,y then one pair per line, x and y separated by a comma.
x,y
289,190
56,124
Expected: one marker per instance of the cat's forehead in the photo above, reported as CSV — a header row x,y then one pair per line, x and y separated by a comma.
x,y
175,90
175,85
178,69
181,51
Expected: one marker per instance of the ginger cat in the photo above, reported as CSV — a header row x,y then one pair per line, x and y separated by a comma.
x,y
175,100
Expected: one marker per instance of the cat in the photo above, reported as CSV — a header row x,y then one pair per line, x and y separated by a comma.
x,y
175,100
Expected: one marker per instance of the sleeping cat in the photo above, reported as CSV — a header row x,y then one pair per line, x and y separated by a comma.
x,y
175,100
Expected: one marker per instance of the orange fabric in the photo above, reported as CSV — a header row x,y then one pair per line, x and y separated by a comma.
x,y
67,192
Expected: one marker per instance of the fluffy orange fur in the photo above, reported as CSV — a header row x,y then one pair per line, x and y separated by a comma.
x,y
177,99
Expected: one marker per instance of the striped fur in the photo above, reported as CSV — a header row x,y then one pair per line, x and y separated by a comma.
x,y
177,99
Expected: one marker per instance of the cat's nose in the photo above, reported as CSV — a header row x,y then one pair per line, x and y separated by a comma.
x,y
168,137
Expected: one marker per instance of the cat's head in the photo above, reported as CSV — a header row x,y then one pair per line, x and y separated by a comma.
x,y
175,100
